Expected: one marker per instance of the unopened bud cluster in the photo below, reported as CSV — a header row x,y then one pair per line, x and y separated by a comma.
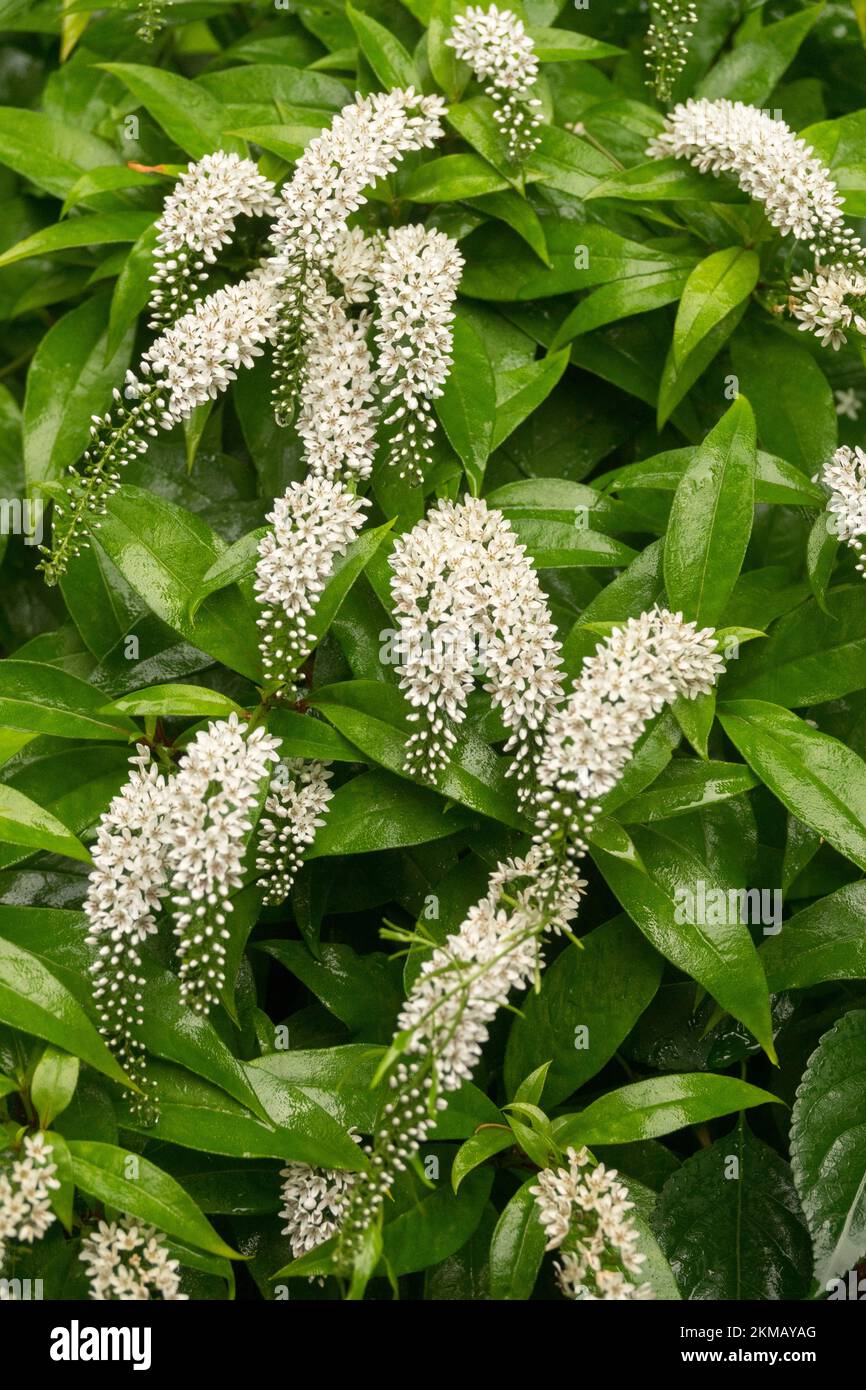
x,y
667,42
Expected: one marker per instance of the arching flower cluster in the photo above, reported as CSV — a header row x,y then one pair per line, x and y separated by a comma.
x,y
416,279
198,220
126,1262
467,598
26,1184
445,1020
584,1210
313,523
295,808
645,664
800,199
499,51
286,302
672,24
365,142
844,477
179,842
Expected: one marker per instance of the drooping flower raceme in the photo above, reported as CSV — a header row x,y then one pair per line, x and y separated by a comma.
x,y
126,1262
771,164
338,415
445,1021
672,24
214,795
642,666
365,142
313,523
26,1185
314,1203
820,302
584,1210
416,276
467,597
845,479
198,219
191,362
497,47
126,887
294,810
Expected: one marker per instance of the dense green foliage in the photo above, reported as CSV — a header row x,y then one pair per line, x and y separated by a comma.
x,y
628,389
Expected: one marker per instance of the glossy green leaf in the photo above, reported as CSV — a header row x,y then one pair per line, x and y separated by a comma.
x,y
647,1109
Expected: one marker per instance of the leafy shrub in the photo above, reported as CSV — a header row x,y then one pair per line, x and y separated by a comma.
x,y
430,454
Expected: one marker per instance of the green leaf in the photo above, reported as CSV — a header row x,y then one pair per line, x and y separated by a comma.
x,y
190,115
34,1000
821,551
467,406
791,397
517,1247
588,1003
828,1147
663,902
69,381
451,178
236,563
711,519
53,1085
373,716
730,1223
477,1149
448,70
24,822
826,941
175,701
378,811
516,213
811,655
820,781
636,294
685,785
383,51
522,390
96,229
50,153
47,700
164,552
775,480
667,180
712,305
564,46
434,1224
136,1186
661,1105
751,70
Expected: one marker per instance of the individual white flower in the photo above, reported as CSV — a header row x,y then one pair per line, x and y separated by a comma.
x,y
849,403
214,797
642,666
126,1262
667,42
416,276
338,415
820,302
771,164
585,1214
844,477
125,889
313,523
467,596
294,810
497,47
198,219
26,1185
